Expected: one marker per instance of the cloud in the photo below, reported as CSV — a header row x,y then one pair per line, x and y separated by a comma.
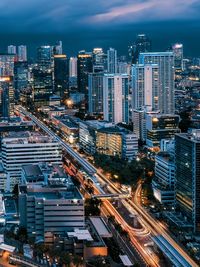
x,y
143,11
66,15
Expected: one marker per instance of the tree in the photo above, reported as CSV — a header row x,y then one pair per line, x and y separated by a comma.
x,y
77,260
65,258
22,234
15,191
92,207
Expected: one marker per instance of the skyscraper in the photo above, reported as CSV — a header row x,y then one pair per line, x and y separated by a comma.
x,y
12,49
42,86
57,50
115,98
99,60
112,60
187,176
45,56
61,74
95,93
7,64
141,45
20,77
73,67
6,97
165,62
22,53
178,56
145,86
84,67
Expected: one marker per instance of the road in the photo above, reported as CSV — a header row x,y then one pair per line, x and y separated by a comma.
x,y
153,225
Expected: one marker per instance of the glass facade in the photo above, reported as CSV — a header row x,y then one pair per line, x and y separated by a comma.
x,y
187,162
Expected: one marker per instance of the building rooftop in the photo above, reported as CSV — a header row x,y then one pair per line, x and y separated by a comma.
x,y
23,137
51,175
52,193
193,136
100,226
115,129
165,156
81,234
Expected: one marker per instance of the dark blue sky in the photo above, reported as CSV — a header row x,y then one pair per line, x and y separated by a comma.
x,y
84,24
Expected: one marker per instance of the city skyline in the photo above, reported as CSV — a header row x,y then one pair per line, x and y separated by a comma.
x,y
41,22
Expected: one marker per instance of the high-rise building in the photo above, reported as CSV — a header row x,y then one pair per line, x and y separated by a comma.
x,y
12,49
73,67
99,60
95,93
145,86
164,180
6,97
115,98
42,86
45,56
84,67
7,64
141,45
20,77
27,148
112,60
58,50
161,126
187,176
165,62
178,56
22,53
61,74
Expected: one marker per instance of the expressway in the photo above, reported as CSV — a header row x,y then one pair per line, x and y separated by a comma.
x,y
156,228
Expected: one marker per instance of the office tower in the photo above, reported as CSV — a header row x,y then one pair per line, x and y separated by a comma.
x,y
27,148
112,60
95,93
84,67
45,56
161,126
58,50
6,97
7,64
73,67
22,53
61,74
12,49
99,60
178,56
20,77
165,62
145,86
187,176
42,85
115,98
141,45
123,68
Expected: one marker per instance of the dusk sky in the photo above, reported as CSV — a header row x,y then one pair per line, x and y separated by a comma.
x,y
84,24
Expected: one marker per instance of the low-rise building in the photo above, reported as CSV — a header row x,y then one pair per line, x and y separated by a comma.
x,y
49,204
69,126
106,138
